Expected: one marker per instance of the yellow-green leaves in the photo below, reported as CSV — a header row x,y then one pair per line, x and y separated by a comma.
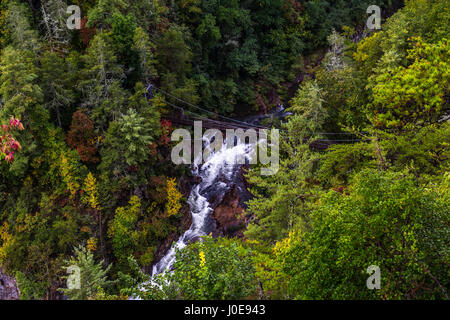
x,y
416,93
173,204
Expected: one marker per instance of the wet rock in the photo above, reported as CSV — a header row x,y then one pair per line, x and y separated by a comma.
x,y
244,193
8,287
229,215
197,180
185,184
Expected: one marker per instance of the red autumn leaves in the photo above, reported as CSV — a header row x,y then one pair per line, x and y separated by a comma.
x,y
82,137
9,145
166,129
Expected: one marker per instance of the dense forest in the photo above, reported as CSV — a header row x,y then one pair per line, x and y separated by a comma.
x,y
86,177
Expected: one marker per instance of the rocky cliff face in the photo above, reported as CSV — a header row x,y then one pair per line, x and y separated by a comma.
x,y
8,287
229,214
226,196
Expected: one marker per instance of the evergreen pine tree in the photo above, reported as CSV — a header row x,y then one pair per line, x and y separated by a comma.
x,y
92,275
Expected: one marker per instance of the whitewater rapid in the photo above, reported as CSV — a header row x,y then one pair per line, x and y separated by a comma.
x,y
217,175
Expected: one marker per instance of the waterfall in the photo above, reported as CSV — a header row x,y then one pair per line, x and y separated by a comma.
x,y
217,175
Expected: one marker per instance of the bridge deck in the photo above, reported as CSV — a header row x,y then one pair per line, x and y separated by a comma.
x,y
213,124
220,125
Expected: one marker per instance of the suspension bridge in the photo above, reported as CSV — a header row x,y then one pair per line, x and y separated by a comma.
x,y
187,118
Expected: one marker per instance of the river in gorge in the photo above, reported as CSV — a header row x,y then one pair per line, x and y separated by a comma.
x,y
218,174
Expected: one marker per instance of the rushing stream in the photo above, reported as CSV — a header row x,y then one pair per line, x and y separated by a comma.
x,y
218,174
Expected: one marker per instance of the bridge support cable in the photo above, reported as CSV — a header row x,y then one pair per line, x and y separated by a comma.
x,y
236,124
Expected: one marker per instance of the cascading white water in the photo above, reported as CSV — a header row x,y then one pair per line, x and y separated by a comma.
x,y
216,175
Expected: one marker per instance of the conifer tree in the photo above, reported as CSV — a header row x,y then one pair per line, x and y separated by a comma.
x,y
136,137
55,83
23,36
147,109
101,15
101,78
143,47
93,276
19,87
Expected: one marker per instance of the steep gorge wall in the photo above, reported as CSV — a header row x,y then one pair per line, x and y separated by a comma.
x,y
8,287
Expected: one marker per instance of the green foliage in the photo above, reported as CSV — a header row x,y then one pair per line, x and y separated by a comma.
x,y
148,13
206,270
173,54
95,169
308,103
56,84
102,15
383,220
4,31
93,276
424,84
129,282
54,24
425,19
148,110
28,289
122,37
425,151
144,49
127,146
343,94
342,161
23,36
122,32
136,137
122,229
100,86
321,16
334,213
282,200
18,83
